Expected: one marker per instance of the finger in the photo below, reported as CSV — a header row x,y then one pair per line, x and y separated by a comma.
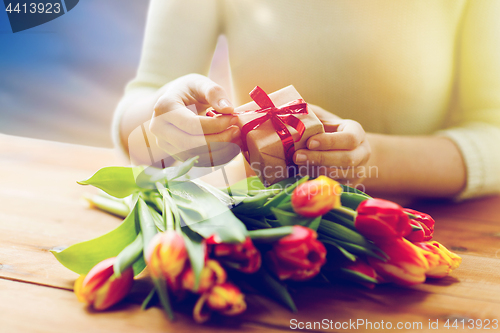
x,y
349,135
207,90
188,122
338,158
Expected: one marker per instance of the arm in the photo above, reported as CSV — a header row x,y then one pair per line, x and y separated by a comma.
x,y
180,39
463,160
429,166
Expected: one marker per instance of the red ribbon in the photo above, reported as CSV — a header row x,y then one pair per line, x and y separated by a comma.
x,y
279,116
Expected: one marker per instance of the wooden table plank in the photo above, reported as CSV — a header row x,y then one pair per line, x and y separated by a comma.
x,y
40,208
30,308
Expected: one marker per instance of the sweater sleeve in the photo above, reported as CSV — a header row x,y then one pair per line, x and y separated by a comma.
x,y
180,39
477,122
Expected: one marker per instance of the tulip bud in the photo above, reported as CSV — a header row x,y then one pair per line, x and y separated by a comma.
x,y
424,221
441,260
316,197
298,256
226,299
406,265
166,256
243,257
100,288
212,274
360,267
381,219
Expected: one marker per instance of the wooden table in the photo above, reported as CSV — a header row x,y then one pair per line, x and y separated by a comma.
x,y
41,208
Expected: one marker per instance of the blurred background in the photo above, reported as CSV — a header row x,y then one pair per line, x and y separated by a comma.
x,y
62,80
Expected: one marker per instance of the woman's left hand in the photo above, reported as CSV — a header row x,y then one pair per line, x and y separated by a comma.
x,y
341,153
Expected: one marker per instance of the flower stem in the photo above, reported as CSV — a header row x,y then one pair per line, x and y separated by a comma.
x,y
346,211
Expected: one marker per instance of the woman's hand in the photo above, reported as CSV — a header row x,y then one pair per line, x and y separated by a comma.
x,y
183,133
341,153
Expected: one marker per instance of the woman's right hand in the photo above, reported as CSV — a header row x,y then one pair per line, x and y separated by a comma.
x,y
184,133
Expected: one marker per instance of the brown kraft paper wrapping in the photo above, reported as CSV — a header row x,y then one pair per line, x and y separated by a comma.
x,y
266,155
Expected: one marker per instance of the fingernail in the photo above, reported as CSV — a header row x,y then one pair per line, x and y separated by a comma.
x,y
300,158
224,103
313,144
236,133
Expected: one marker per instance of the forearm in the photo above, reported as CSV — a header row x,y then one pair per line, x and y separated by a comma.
x,y
427,166
136,108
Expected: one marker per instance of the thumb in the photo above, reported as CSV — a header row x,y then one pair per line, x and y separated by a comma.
x,y
215,95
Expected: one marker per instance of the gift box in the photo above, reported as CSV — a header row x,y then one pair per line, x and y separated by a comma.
x,y
273,127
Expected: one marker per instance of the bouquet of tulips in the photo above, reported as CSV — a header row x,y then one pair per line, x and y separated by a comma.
x,y
204,243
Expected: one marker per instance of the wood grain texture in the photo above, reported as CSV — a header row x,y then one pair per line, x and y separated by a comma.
x,y
30,308
41,208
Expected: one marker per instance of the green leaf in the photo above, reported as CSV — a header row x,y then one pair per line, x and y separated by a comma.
x,y
351,275
340,232
119,182
274,288
270,235
145,303
162,291
244,186
216,218
289,218
129,256
253,223
340,219
148,226
252,206
81,257
360,250
108,204
196,252
333,243
283,195
157,218
352,200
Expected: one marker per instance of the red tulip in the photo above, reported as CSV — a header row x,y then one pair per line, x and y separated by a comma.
x,y
316,197
441,260
100,288
407,264
243,257
425,222
381,219
167,257
298,256
211,275
362,268
225,298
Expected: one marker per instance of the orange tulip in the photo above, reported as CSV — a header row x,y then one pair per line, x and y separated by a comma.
x,y
226,299
100,288
316,197
167,256
407,264
212,274
243,257
441,260
298,256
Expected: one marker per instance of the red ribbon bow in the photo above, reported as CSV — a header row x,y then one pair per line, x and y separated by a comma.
x,y
279,116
